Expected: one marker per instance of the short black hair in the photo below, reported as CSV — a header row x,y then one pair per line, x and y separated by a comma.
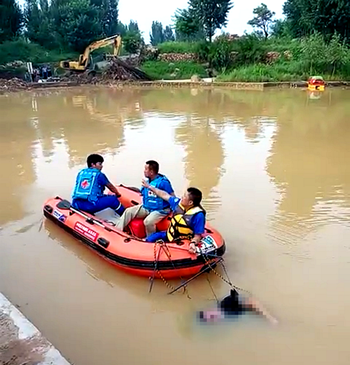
x,y
153,165
195,195
93,159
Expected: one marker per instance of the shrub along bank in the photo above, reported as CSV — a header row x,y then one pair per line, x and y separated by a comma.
x,y
247,59
253,59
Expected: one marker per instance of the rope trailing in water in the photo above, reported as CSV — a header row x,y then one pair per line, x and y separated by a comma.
x,y
156,260
211,287
167,252
162,246
228,280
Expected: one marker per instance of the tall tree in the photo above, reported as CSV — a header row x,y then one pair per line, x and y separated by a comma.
x,y
297,13
280,28
324,16
212,14
133,26
168,34
122,28
78,23
188,26
263,19
157,34
111,18
34,22
10,19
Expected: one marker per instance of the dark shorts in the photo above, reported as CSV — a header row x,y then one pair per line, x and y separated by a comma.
x,y
232,305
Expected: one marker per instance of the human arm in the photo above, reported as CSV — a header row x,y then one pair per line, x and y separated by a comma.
x,y
113,189
198,224
103,181
165,185
161,193
254,306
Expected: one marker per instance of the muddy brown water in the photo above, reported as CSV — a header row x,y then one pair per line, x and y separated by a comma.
x,y
274,170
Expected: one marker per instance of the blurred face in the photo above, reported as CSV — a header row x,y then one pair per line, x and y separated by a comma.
x,y
148,172
185,200
98,165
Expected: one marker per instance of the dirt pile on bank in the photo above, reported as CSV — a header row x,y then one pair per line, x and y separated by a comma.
x,y
117,70
12,84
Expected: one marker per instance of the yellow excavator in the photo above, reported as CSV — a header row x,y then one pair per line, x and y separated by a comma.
x,y
85,60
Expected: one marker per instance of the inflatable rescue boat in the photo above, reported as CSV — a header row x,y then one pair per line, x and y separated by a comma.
x,y
128,251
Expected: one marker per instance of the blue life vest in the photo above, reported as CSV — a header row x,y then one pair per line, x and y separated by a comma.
x,y
150,200
87,186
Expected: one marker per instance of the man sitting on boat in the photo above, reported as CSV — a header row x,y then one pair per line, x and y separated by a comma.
x,y
89,187
188,221
153,208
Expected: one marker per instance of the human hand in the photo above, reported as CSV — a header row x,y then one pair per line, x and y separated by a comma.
x,y
192,248
145,184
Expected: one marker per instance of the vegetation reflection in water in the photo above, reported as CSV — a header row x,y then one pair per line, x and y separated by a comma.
x,y
307,152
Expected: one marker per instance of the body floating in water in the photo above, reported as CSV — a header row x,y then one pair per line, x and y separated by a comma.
x,y
234,305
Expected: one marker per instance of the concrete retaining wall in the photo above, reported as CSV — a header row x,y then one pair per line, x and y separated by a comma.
x,y
21,342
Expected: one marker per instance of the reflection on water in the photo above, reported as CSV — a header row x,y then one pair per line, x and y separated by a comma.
x,y
204,155
308,163
273,168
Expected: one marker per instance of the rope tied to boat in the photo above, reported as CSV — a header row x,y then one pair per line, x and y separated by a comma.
x,y
163,246
228,280
160,244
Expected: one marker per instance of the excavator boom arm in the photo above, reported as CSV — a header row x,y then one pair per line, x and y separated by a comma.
x,y
115,40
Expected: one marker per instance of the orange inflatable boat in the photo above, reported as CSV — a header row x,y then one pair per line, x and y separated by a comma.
x,y
128,251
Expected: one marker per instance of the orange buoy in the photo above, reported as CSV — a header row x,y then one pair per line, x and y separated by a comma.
x,y
316,83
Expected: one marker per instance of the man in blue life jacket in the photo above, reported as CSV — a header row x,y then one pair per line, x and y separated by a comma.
x,y
89,187
188,220
153,209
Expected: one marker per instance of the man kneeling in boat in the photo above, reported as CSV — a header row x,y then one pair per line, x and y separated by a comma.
x,y
188,221
89,187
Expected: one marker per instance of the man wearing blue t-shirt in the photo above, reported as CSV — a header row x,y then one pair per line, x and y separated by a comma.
x,y
89,187
153,208
188,220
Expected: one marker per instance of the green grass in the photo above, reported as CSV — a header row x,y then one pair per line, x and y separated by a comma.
x,y
278,72
178,47
159,70
264,73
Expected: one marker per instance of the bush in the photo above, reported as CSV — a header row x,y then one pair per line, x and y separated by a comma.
x,y
132,42
203,51
221,54
250,49
320,57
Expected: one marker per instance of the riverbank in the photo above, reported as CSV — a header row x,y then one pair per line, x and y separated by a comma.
x,y
14,85
21,342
